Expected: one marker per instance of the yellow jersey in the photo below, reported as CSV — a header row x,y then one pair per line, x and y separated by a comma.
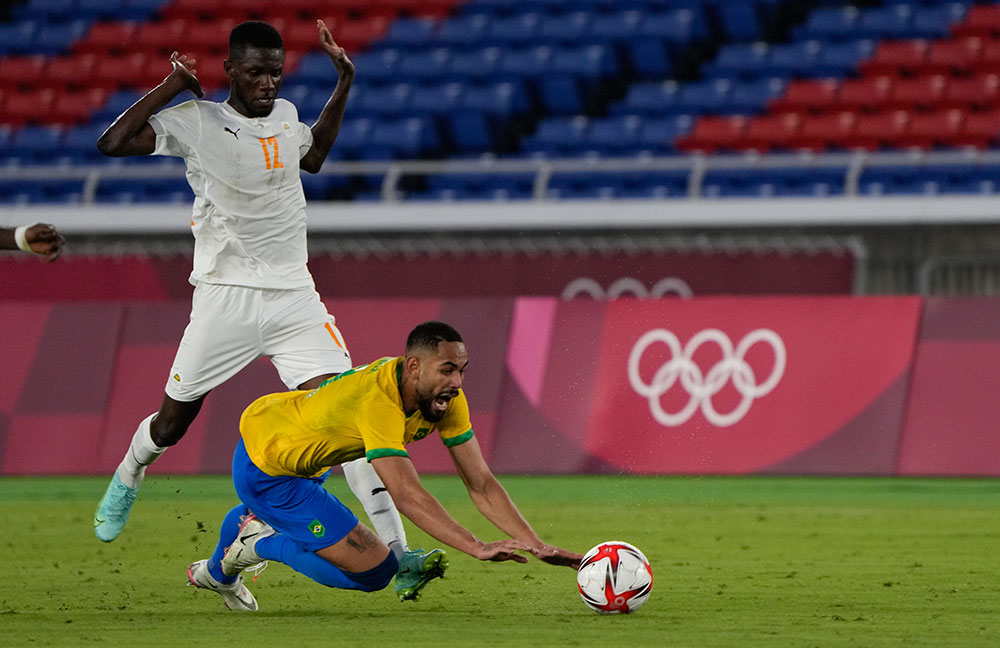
x,y
357,413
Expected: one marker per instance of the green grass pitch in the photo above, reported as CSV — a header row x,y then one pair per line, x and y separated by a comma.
x,y
736,562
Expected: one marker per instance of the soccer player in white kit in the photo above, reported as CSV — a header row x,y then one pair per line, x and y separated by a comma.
x,y
254,295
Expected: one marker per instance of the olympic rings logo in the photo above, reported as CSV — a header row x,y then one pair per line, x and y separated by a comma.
x,y
626,286
701,387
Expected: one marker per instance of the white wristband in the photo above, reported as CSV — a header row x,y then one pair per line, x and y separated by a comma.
x,y
21,237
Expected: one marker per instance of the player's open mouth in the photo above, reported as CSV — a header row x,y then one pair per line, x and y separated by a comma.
x,y
440,402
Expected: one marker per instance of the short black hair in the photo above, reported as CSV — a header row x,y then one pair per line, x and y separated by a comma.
x,y
253,33
429,335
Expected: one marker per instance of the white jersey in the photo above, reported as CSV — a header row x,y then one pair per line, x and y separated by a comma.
x,y
249,219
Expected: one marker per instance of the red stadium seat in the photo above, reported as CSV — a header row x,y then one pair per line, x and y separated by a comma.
x,y
22,71
988,61
76,106
979,92
821,132
108,38
895,57
70,71
302,35
207,37
925,92
28,107
130,71
806,95
929,130
161,37
195,10
981,20
869,94
767,132
951,56
979,130
355,35
710,134
881,130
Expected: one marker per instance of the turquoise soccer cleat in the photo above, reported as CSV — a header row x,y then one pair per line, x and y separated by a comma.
x,y
112,512
416,569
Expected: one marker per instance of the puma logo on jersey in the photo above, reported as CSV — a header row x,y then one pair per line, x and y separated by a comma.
x,y
233,132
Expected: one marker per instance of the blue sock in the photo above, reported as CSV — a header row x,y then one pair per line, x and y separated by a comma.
x,y
282,549
227,533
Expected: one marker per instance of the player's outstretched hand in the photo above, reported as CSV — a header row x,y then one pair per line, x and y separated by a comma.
x,y
345,68
557,556
503,550
185,68
44,239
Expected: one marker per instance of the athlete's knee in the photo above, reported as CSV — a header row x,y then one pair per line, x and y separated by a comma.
x,y
378,577
173,420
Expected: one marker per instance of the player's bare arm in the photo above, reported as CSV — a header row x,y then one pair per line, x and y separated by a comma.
x,y
40,238
492,500
423,509
328,124
131,133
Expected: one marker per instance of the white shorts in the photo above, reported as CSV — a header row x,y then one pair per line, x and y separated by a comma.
x,y
231,326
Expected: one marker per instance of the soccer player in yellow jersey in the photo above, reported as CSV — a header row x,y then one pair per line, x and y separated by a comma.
x,y
290,440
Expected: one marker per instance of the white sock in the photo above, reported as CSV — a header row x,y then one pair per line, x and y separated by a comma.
x,y
381,510
141,452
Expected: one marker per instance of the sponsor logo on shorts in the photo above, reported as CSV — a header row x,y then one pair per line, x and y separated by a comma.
x,y
177,377
317,529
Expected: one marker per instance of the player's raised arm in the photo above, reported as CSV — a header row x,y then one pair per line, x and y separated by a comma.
x,y
40,238
327,127
496,505
423,509
131,134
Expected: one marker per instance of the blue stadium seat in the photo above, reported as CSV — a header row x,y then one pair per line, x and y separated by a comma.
x,y
81,143
653,184
513,31
657,135
754,183
324,186
648,98
648,58
840,59
753,96
676,26
45,10
532,62
556,136
55,191
410,32
589,61
614,28
564,29
172,190
829,24
892,21
699,97
740,20
37,144
470,131
440,99
479,64
738,60
353,137
98,10
402,138
791,59
376,66
504,99
424,65
463,31
315,68
613,136
57,37
386,101
17,37
936,21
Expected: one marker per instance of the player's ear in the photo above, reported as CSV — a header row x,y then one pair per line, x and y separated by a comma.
x,y
411,364
227,65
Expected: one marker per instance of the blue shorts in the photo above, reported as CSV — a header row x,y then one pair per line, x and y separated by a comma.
x,y
298,507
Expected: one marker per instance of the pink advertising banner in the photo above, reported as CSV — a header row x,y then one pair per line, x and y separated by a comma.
x,y
712,385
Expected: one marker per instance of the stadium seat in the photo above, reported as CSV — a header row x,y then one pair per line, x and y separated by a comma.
x,y
953,57
474,65
17,37
658,135
80,143
113,37
22,71
69,71
385,101
840,59
701,97
462,31
822,132
738,60
567,28
922,92
889,21
873,132
980,92
870,93
557,136
512,31
895,58
710,134
438,99
613,136
979,130
37,144
932,130
829,23
936,20
807,95
769,132
791,59
76,106
754,96
409,32
28,107
57,38
45,10
982,20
